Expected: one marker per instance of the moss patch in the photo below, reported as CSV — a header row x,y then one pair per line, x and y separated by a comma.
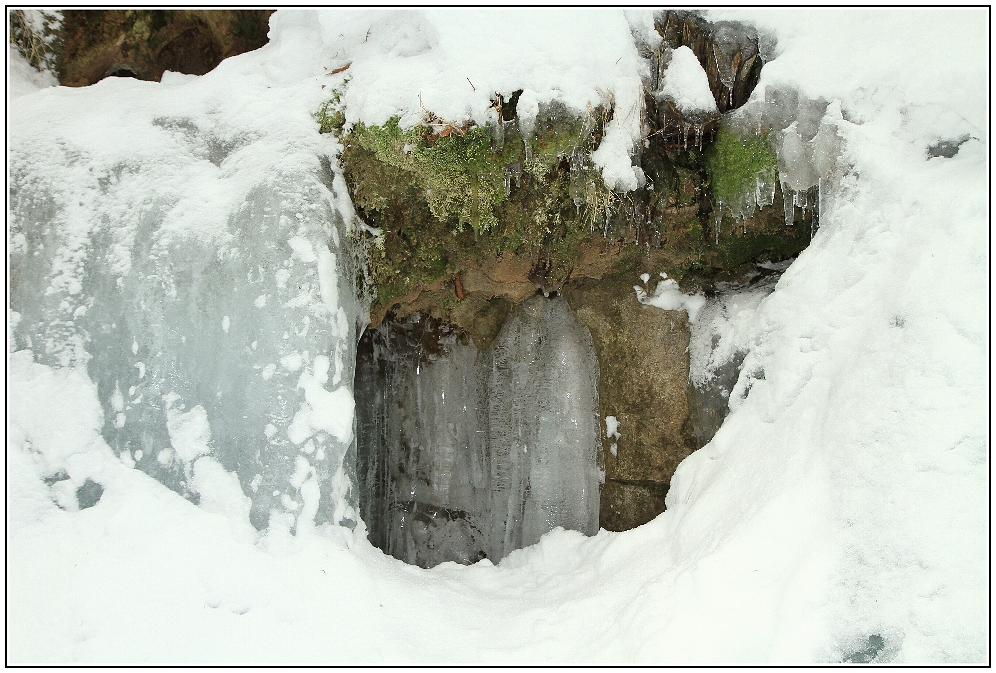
x,y
735,162
462,177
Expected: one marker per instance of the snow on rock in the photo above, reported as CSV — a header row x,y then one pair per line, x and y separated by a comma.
x,y
686,84
452,62
669,297
24,79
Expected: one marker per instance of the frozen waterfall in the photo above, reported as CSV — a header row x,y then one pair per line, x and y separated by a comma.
x,y
543,427
207,284
464,454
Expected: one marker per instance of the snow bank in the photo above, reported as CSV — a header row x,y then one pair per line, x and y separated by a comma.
x,y
840,513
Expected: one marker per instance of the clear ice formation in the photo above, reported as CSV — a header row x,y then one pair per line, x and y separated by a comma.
x,y
463,454
543,426
804,136
236,342
421,459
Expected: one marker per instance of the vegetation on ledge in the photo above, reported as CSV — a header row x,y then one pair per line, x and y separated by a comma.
x,y
447,195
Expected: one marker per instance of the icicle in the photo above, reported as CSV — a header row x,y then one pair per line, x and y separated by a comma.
x,y
508,184
788,201
688,128
820,208
765,192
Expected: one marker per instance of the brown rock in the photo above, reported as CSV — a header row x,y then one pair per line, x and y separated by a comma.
x,y
643,368
145,43
628,505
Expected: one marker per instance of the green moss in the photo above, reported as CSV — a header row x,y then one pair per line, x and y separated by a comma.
x,y
463,178
735,161
330,115
448,197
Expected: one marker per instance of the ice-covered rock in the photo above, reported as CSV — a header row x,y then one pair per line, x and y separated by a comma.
x,y
201,269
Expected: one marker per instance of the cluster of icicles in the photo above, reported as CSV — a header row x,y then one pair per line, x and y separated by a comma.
x,y
804,135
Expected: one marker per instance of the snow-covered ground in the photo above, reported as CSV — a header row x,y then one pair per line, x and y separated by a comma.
x,y
841,510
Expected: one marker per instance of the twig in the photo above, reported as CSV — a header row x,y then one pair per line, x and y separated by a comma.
x,y
472,85
344,68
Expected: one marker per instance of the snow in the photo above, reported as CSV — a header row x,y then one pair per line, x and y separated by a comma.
x,y
843,503
22,79
686,84
669,297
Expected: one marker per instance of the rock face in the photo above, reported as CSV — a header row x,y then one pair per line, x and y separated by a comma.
x,y
556,230
729,53
93,44
643,365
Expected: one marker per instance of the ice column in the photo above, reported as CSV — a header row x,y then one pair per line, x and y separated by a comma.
x,y
541,378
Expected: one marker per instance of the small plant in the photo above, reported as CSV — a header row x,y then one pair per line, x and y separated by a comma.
x,y
36,37
330,116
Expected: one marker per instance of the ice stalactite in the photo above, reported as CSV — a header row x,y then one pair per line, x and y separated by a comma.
x,y
803,134
462,454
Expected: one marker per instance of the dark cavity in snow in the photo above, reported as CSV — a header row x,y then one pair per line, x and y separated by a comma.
x,y
876,650
946,148
89,494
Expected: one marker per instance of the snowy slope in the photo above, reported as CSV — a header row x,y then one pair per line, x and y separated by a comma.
x,y
841,509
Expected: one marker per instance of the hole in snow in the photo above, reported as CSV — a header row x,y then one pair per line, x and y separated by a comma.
x,y
946,148
89,494
120,72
